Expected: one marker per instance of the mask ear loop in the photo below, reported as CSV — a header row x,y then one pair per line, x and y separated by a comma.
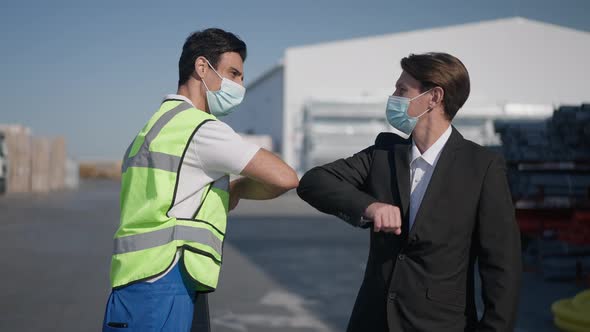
x,y
213,68
206,87
422,94
428,109
203,79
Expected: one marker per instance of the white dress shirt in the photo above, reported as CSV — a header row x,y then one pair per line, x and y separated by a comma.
x,y
421,168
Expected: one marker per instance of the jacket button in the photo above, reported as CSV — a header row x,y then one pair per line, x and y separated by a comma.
x,y
401,257
392,296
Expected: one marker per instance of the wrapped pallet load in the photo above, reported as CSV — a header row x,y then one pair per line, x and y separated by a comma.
x,y
18,146
57,166
40,164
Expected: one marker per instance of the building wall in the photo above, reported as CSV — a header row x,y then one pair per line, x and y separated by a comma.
x,y
261,112
509,60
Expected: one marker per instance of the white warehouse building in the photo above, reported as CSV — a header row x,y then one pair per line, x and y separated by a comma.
x,y
327,101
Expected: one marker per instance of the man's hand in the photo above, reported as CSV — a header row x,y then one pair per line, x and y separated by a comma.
x,y
385,217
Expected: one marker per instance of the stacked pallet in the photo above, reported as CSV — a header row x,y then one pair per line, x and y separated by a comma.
x,y
549,175
57,166
566,136
558,260
35,164
573,260
537,183
578,231
40,170
549,158
570,131
18,144
525,140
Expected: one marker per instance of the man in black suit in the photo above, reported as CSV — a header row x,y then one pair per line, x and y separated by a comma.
x,y
436,204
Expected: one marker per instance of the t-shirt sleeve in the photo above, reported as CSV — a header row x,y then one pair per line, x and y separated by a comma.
x,y
220,149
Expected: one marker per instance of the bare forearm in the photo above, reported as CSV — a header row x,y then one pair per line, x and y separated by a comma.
x,y
265,177
247,188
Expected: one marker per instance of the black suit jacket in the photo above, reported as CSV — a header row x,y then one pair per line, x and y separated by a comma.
x,y
422,280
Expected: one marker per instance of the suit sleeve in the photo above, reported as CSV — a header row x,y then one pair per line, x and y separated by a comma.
x,y
499,255
336,188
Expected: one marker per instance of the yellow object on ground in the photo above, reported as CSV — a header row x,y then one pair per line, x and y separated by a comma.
x,y
573,315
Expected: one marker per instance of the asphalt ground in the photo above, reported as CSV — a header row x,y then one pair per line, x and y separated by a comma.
x,y
286,267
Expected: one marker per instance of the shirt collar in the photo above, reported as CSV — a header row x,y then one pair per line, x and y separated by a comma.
x,y
178,97
431,155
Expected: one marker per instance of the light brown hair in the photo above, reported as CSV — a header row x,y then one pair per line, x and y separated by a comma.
x,y
442,70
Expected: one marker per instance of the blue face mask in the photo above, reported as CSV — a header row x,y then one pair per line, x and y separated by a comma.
x,y
397,114
225,100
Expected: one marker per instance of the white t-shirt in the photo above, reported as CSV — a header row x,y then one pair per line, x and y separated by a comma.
x,y
215,151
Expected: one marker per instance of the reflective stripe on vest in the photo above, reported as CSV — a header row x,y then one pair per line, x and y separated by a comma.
x,y
163,236
157,160
148,237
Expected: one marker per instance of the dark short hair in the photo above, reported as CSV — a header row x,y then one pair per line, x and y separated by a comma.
x,y
211,44
443,70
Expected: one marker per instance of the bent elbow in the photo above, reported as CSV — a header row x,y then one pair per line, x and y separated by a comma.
x,y
291,182
294,182
306,183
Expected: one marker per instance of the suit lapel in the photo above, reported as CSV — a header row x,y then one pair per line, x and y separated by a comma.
x,y
402,173
439,180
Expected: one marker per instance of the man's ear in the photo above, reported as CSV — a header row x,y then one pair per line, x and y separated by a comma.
x,y
438,95
201,66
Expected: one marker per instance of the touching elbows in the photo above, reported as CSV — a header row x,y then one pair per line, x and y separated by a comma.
x,y
290,182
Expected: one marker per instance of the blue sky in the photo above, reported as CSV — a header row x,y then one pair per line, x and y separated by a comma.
x,y
95,71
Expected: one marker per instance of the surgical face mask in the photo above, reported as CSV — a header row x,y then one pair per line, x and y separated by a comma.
x,y
225,100
397,114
